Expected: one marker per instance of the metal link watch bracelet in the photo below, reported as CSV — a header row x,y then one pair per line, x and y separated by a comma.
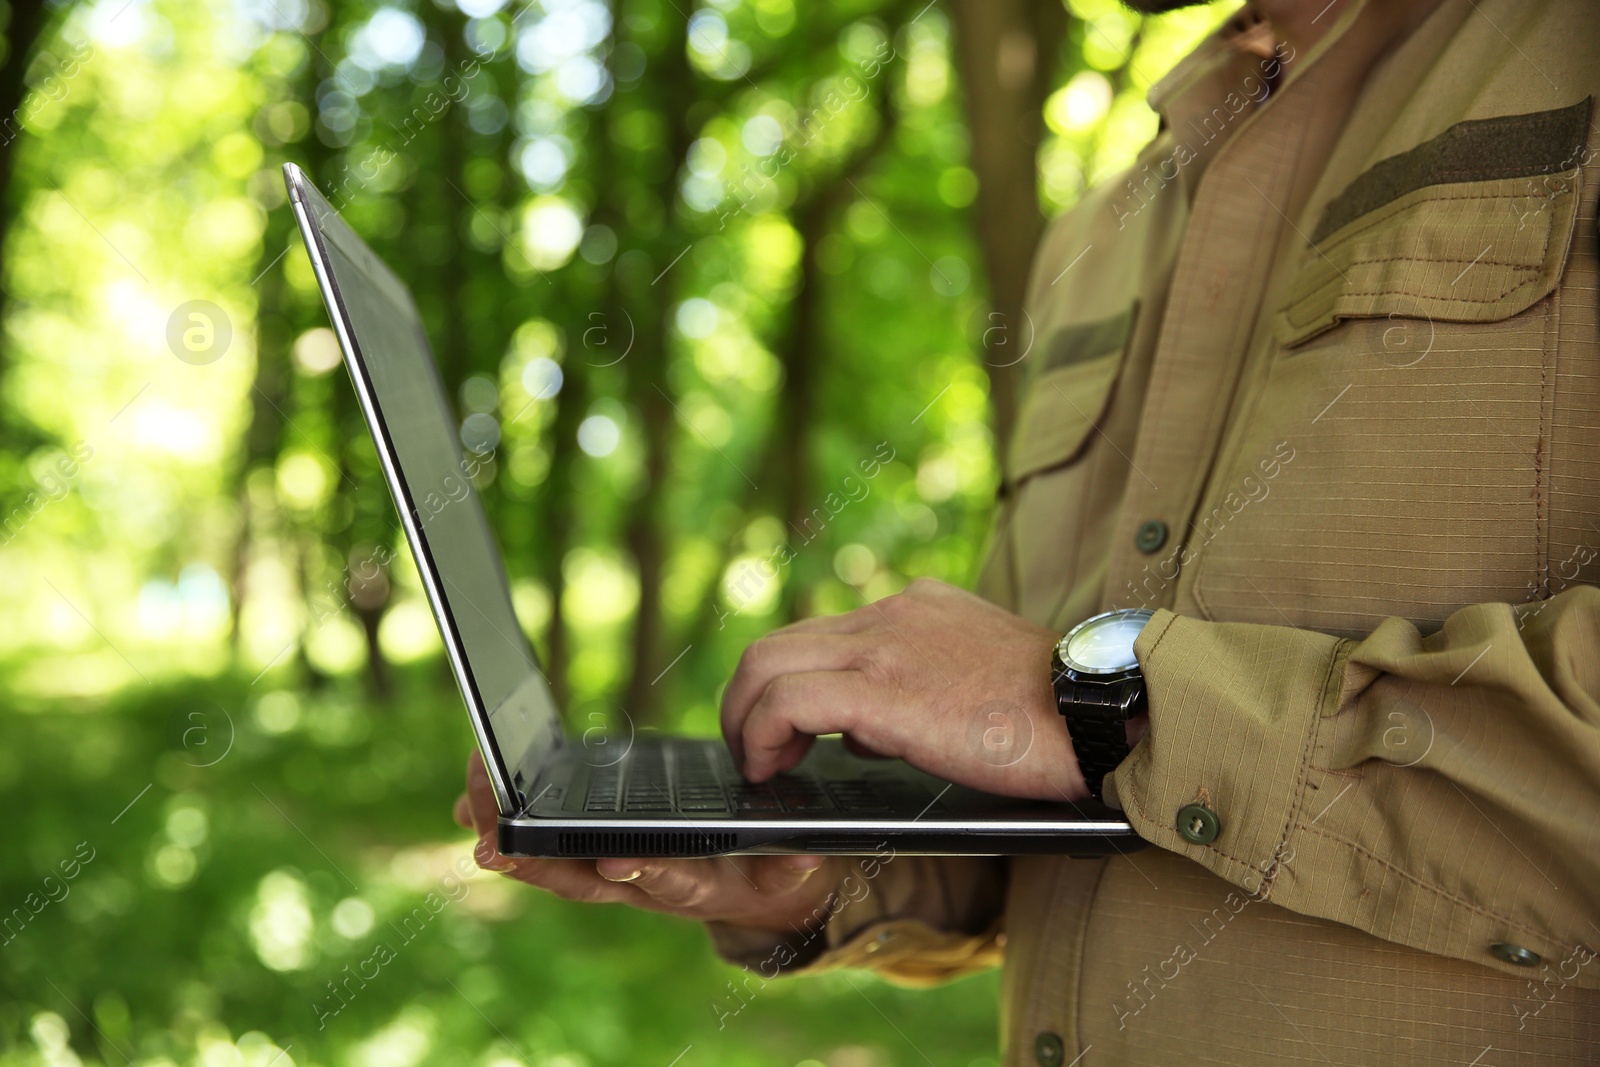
x,y
1098,688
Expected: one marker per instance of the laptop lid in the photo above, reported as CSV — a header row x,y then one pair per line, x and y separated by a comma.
x,y
398,386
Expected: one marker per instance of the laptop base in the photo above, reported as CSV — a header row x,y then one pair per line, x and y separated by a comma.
x,y
671,796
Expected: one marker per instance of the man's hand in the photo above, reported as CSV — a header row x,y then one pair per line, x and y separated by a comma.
x,y
935,676
774,893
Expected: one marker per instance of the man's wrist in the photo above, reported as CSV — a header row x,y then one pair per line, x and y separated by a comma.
x,y
1054,760
1138,726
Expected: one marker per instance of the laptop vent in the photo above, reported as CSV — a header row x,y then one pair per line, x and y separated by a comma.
x,y
633,843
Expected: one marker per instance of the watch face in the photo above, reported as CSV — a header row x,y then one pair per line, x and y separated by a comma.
x,y
1104,643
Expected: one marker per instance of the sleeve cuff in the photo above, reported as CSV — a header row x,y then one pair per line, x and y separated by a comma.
x,y
1234,713
917,920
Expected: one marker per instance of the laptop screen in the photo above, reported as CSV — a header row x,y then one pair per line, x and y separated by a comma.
x,y
430,477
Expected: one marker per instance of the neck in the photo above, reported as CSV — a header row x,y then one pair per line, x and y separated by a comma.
x,y
1301,23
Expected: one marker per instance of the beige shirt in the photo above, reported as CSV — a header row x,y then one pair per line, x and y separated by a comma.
x,y
1334,410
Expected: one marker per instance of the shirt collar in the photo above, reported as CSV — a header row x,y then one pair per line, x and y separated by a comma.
x,y
1237,59
1207,69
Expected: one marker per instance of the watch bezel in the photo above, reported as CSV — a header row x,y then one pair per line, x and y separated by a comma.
x,y
1100,673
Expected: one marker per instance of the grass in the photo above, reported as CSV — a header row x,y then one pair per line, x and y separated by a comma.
x,y
233,852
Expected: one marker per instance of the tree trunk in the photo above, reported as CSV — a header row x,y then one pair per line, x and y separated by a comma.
x,y
25,30
558,509
668,81
803,351
1006,52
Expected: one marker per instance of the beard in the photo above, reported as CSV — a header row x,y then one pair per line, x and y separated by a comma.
x,y
1159,7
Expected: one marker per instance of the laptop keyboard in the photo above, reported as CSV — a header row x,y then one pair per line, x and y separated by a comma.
x,y
699,780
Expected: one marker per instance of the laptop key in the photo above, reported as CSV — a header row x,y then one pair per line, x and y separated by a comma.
x,y
704,806
818,803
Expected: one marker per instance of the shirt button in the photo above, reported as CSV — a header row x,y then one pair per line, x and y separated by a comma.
x,y
1522,957
1152,534
878,942
1048,1050
1198,823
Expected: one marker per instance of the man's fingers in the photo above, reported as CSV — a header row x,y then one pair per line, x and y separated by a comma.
x,y
485,809
772,657
570,880
784,874
796,708
710,885
619,869
479,811
790,755
488,856
677,885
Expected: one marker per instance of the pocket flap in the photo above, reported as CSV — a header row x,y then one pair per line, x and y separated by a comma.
x,y
1471,226
1062,408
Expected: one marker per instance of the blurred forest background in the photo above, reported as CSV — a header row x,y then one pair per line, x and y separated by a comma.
x,y
686,264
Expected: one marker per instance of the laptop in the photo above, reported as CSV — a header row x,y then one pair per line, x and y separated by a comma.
x,y
650,795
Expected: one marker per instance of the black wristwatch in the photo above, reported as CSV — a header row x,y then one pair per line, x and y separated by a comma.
x,y
1099,688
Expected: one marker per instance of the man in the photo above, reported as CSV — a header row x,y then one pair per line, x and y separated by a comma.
x,y
1318,381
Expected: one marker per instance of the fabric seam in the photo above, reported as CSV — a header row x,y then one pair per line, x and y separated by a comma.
x,y
1288,312
1537,270
1296,303
1083,933
1212,849
1327,694
1381,215
1437,891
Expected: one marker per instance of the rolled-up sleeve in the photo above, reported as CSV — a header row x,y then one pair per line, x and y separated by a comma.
x,y
1438,791
916,920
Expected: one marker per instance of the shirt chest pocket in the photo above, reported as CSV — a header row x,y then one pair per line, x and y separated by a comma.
x,y
1053,471
1412,386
